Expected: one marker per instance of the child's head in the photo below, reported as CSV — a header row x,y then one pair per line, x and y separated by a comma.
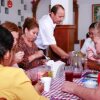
x,y
12,27
6,43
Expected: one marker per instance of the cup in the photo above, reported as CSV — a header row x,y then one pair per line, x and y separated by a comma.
x,y
68,73
77,73
47,82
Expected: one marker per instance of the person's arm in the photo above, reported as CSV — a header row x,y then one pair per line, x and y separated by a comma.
x,y
39,87
37,54
29,57
59,51
84,93
24,89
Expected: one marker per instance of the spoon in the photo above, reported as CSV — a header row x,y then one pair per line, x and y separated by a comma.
x,y
47,58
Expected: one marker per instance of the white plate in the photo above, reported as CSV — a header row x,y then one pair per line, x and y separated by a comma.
x,y
93,75
90,84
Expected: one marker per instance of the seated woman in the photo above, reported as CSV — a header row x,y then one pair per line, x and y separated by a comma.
x,y
83,92
89,40
14,84
93,55
18,57
32,57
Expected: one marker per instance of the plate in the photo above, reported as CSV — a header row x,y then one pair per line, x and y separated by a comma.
x,y
88,78
90,84
92,75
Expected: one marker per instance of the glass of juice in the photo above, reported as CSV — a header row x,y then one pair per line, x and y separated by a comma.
x,y
68,73
77,73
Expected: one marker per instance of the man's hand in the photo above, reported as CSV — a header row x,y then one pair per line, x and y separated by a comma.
x,y
69,87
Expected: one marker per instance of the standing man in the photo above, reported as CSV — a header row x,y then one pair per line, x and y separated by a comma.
x,y
47,25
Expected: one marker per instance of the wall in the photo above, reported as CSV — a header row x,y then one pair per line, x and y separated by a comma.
x,y
13,12
43,8
85,13
85,16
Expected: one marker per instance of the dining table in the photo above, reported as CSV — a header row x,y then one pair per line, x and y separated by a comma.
x,y
55,92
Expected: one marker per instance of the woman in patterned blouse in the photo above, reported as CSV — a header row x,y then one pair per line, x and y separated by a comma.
x,y
32,57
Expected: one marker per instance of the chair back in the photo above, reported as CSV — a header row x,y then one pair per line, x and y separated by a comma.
x,y
81,42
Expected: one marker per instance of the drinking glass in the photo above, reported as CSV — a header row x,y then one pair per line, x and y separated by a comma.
x,y
69,73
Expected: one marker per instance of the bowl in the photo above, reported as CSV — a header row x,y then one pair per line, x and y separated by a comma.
x,y
90,84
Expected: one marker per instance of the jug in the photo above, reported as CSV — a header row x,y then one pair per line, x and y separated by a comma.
x,y
77,65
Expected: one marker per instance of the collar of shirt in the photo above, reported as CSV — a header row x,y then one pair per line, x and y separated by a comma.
x,y
54,25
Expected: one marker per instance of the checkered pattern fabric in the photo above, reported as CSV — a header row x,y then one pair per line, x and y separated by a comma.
x,y
55,92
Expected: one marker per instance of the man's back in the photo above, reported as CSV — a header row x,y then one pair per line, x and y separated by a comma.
x,y
46,31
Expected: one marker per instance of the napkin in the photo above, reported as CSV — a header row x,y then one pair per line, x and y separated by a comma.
x,y
57,67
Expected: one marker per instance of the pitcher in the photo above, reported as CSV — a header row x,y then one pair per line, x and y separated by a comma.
x,y
77,65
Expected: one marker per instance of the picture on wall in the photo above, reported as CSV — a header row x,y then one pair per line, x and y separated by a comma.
x,y
95,12
25,7
19,12
22,18
2,2
19,23
0,9
0,22
49,8
6,10
22,1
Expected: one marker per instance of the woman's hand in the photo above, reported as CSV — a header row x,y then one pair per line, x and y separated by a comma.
x,y
36,55
39,53
19,56
39,87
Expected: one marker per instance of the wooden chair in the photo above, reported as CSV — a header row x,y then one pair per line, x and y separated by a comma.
x,y
81,42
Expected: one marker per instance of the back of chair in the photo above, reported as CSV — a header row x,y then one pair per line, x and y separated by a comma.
x,y
81,42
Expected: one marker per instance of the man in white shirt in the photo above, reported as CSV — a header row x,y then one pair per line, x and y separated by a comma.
x,y
47,25
89,41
